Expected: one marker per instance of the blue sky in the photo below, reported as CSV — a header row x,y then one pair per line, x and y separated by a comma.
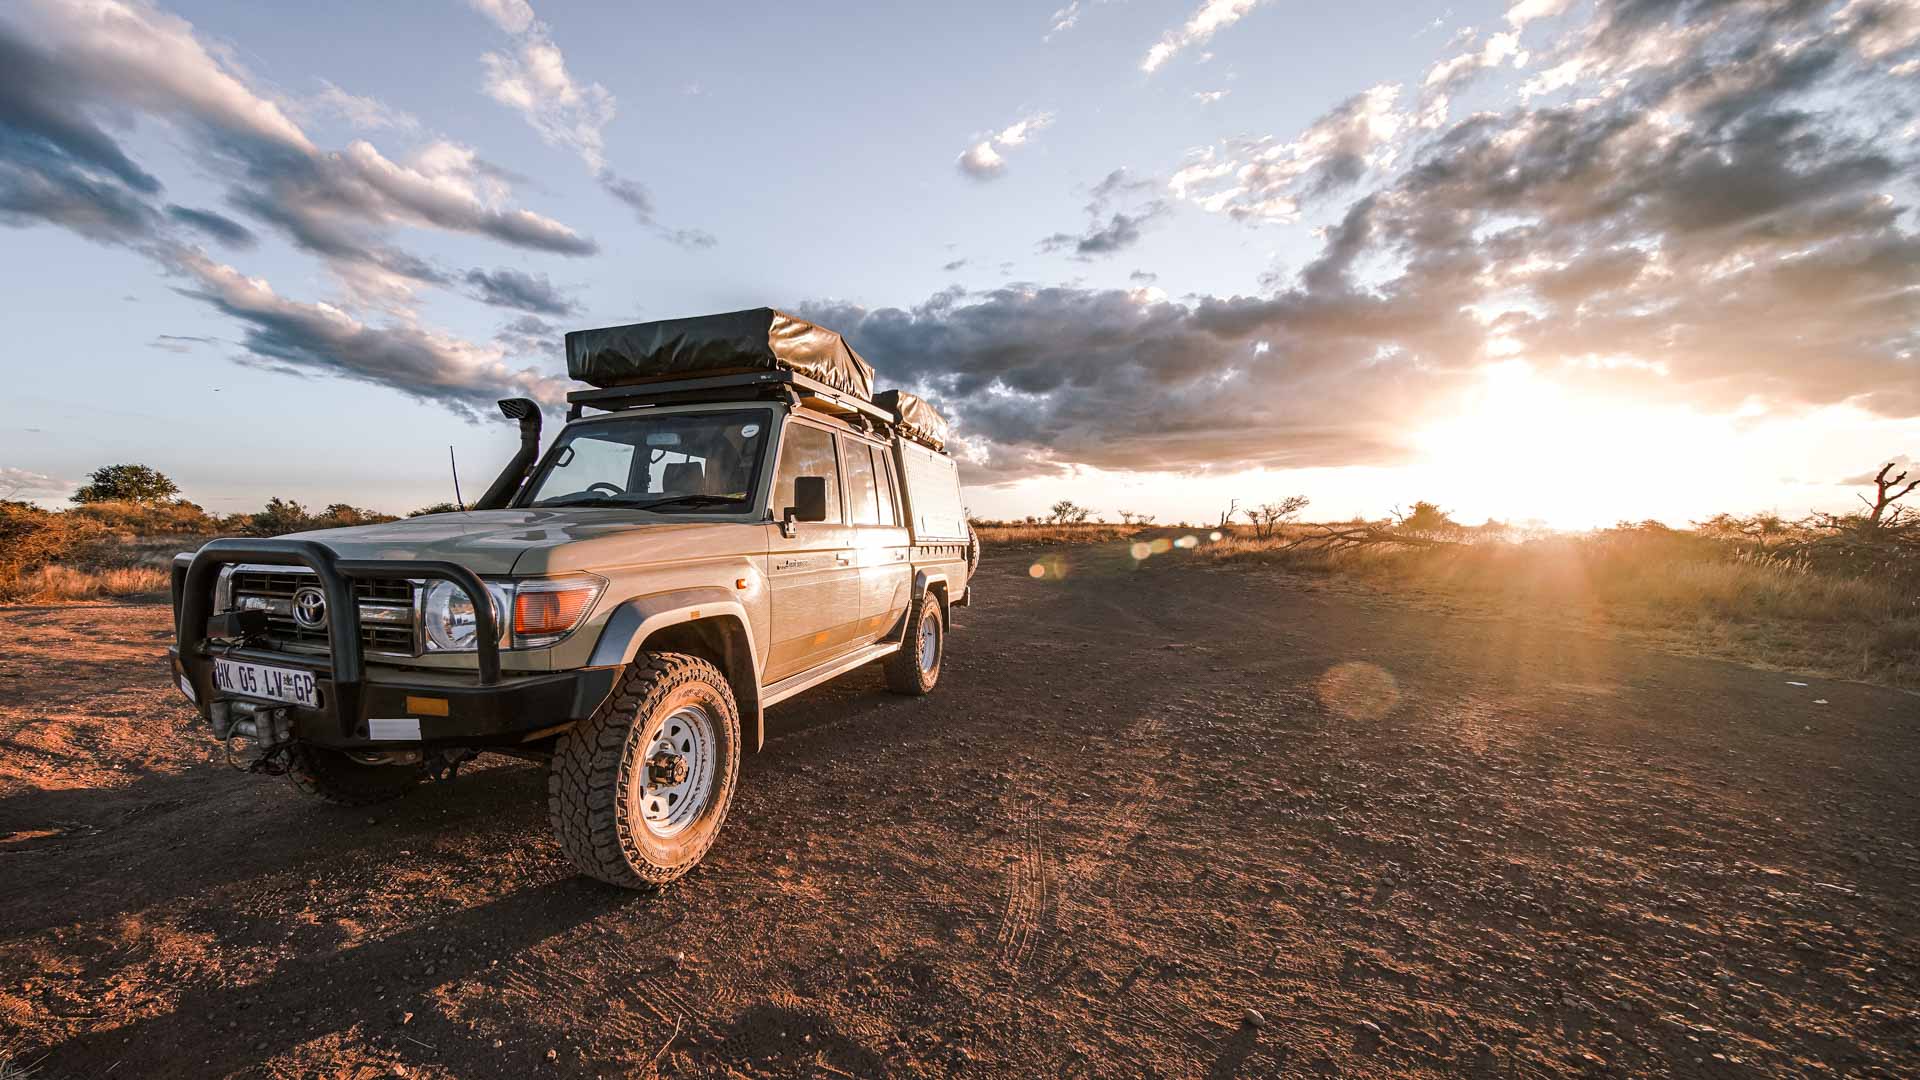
x,y
1090,231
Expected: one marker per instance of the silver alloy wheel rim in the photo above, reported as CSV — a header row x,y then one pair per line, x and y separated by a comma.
x,y
686,737
929,642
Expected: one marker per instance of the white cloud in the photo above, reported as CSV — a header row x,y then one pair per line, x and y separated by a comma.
x,y
1266,180
1447,77
17,482
1212,17
151,60
1525,11
534,80
513,16
1208,97
981,161
1064,20
365,113
984,161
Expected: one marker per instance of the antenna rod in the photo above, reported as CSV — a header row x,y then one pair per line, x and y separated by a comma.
x,y
457,500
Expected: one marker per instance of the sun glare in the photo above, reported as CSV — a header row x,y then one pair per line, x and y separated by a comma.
x,y
1525,446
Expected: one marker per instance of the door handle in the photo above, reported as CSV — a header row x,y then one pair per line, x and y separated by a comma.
x,y
843,560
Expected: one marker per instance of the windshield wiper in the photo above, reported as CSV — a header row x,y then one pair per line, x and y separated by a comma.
x,y
694,499
583,500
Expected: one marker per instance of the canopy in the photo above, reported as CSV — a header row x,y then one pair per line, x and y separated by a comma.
x,y
755,339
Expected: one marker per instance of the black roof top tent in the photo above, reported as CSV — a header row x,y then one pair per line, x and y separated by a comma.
x,y
761,351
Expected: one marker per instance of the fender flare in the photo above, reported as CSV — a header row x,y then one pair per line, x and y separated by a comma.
x,y
638,619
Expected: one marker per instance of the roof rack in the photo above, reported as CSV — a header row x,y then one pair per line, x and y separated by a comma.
x,y
729,387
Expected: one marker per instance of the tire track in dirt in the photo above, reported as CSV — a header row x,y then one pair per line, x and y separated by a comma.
x,y
1027,892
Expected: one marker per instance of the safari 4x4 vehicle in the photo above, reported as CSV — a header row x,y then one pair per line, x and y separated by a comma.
x,y
730,517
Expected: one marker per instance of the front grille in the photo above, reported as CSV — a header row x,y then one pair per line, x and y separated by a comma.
x,y
274,589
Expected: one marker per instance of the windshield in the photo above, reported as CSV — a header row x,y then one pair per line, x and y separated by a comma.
x,y
670,462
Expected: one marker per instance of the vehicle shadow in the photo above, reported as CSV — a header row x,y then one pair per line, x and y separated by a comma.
x,y
173,835
309,997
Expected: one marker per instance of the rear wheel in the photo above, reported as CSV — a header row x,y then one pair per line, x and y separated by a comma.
x,y
916,667
336,778
637,793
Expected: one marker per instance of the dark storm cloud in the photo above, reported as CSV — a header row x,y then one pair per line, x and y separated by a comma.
x,y
521,291
217,226
298,338
1038,377
57,167
1705,217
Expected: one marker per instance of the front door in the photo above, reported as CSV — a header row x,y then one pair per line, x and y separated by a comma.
x,y
813,576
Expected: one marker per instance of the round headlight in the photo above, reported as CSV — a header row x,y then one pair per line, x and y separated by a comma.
x,y
449,616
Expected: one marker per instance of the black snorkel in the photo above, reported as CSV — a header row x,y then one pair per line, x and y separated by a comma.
x,y
508,483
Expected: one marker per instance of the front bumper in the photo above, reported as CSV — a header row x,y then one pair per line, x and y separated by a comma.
x,y
486,707
449,709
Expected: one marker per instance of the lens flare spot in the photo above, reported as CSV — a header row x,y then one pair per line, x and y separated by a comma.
x,y
1357,690
1160,545
1187,542
1214,536
1140,551
1051,567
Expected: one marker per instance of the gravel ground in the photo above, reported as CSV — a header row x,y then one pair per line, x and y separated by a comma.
x,y
1163,821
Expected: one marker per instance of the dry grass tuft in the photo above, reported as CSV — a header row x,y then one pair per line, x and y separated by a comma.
x,y
1089,532
1677,590
57,584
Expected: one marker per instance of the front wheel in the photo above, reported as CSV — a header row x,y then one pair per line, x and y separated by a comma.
x,y
916,667
638,791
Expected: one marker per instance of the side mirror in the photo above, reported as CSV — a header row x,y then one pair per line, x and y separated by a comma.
x,y
810,502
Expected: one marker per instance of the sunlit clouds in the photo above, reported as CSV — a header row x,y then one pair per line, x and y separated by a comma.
x,y
986,159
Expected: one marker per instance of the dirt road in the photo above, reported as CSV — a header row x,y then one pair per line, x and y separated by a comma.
x,y
1142,803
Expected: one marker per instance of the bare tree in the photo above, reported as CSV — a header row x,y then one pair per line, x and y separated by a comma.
x,y
1267,517
1226,516
1885,495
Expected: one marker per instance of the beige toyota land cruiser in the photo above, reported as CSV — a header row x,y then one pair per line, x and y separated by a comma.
x,y
730,516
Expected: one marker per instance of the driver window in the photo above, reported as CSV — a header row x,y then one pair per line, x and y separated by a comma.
x,y
588,461
808,452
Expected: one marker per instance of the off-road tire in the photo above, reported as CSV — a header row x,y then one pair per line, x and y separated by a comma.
x,y
336,778
905,673
973,552
591,795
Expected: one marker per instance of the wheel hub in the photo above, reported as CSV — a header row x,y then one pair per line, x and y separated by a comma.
x,y
665,769
929,643
676,775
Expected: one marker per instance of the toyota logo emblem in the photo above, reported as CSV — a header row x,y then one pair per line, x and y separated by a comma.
x,y
310,607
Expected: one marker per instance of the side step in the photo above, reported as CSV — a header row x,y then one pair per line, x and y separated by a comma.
x,y
807,680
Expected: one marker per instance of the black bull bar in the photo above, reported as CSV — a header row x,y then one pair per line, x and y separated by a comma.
x,y
346,668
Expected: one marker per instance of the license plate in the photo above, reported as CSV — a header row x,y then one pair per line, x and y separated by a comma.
x,y
291,685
